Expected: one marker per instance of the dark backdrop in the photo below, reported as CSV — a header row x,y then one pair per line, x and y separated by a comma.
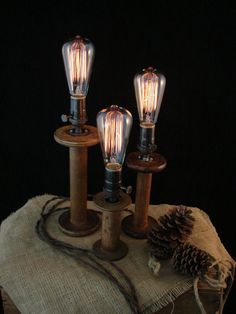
x,y
192,44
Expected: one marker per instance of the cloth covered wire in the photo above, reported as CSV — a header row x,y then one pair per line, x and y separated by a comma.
x,y
86,256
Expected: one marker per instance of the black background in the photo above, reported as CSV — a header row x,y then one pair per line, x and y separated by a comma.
x,y
193,44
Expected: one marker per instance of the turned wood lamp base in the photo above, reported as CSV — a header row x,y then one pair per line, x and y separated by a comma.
x,y
78,221
138,224
110,247
120,252
138,232
90,226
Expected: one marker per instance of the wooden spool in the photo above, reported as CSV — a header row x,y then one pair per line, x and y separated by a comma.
x,y
110,247
78,221
138,224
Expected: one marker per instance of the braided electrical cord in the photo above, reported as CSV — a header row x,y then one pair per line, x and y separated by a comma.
x,y
86,256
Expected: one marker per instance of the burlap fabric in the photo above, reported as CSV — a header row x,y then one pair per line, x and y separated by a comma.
x,y
40,279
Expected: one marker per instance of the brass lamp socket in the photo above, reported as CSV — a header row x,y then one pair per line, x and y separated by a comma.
x,y
147,144
112,183
78,115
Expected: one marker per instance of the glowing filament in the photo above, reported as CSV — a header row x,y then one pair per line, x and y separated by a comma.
x,y
114,125
78,57
149,88
78,65
113,135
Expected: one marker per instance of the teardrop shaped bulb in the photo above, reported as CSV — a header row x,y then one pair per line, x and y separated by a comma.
x,y
149,88
78,55
114,125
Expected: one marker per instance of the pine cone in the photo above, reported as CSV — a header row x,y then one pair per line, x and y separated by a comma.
x,y
188,259
170,230
161,252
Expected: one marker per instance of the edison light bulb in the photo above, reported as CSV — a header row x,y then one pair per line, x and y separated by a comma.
x,y
114,125
78,55
149,88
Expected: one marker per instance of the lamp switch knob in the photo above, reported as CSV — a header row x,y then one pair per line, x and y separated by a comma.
x,y
65,118
128,189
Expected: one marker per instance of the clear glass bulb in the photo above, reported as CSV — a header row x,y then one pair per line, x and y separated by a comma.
x,y
114,125
149,88
78,55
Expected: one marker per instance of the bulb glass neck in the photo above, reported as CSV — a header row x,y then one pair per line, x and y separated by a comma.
x,y
112,182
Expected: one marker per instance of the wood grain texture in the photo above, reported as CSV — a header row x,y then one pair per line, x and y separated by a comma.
x,y
110,247
138,224
157,164
142,199
63,137
78,185
79,222
101,203
111,222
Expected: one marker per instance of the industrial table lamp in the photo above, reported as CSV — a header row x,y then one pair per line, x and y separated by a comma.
x,y
114,125
78,55
149,89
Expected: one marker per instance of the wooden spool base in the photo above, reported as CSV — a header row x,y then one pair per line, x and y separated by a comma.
x,y
102,204
134,231
138,224
62,136
91,225
78,221
157,164
116,255
110,247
